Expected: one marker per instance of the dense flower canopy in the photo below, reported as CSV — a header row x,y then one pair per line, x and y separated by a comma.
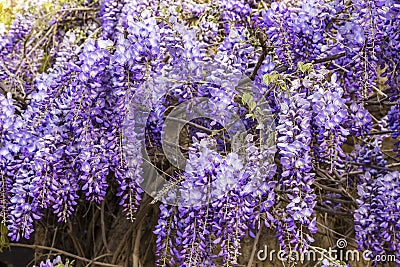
x,y
288,129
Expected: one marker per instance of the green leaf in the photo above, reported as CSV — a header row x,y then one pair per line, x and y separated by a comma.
x,y
267,79
301,67
250,115
252,105
305,67
246,97
272,77
260,111
67,263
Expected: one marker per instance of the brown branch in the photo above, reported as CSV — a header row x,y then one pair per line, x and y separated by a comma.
x,y
38,43
383,132
200,127
338,200
253,251
4,89
136,247
90,231
370,166
148,248
68,254
283,68
329,58
140,215
260,59
121,246
334,212
75,241
103,228
98,258
128,249
54,240
379,103
393,165
327,188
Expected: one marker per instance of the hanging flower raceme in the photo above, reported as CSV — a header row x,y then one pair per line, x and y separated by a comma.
x,y
184,232
359,121
297,32
109,13
361,37
329,118
394,125
294,144
91,119
377,214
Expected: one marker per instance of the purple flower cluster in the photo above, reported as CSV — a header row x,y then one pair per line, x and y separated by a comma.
x,y
361,37
329,118
91,122
235,10
55,183
56,262
368,155
188,239
261,171
294,143
359,121
378,212
391,47
16,154
109,13
218,196
71,110
394,124
297,32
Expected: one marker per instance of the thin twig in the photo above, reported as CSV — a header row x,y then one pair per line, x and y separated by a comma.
x,y
327,188
135,255
75,241
283,68
334,212
383,132
98,258
381,103
103,228
53,241
121,246
64,253
370,166
261,58
253,251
